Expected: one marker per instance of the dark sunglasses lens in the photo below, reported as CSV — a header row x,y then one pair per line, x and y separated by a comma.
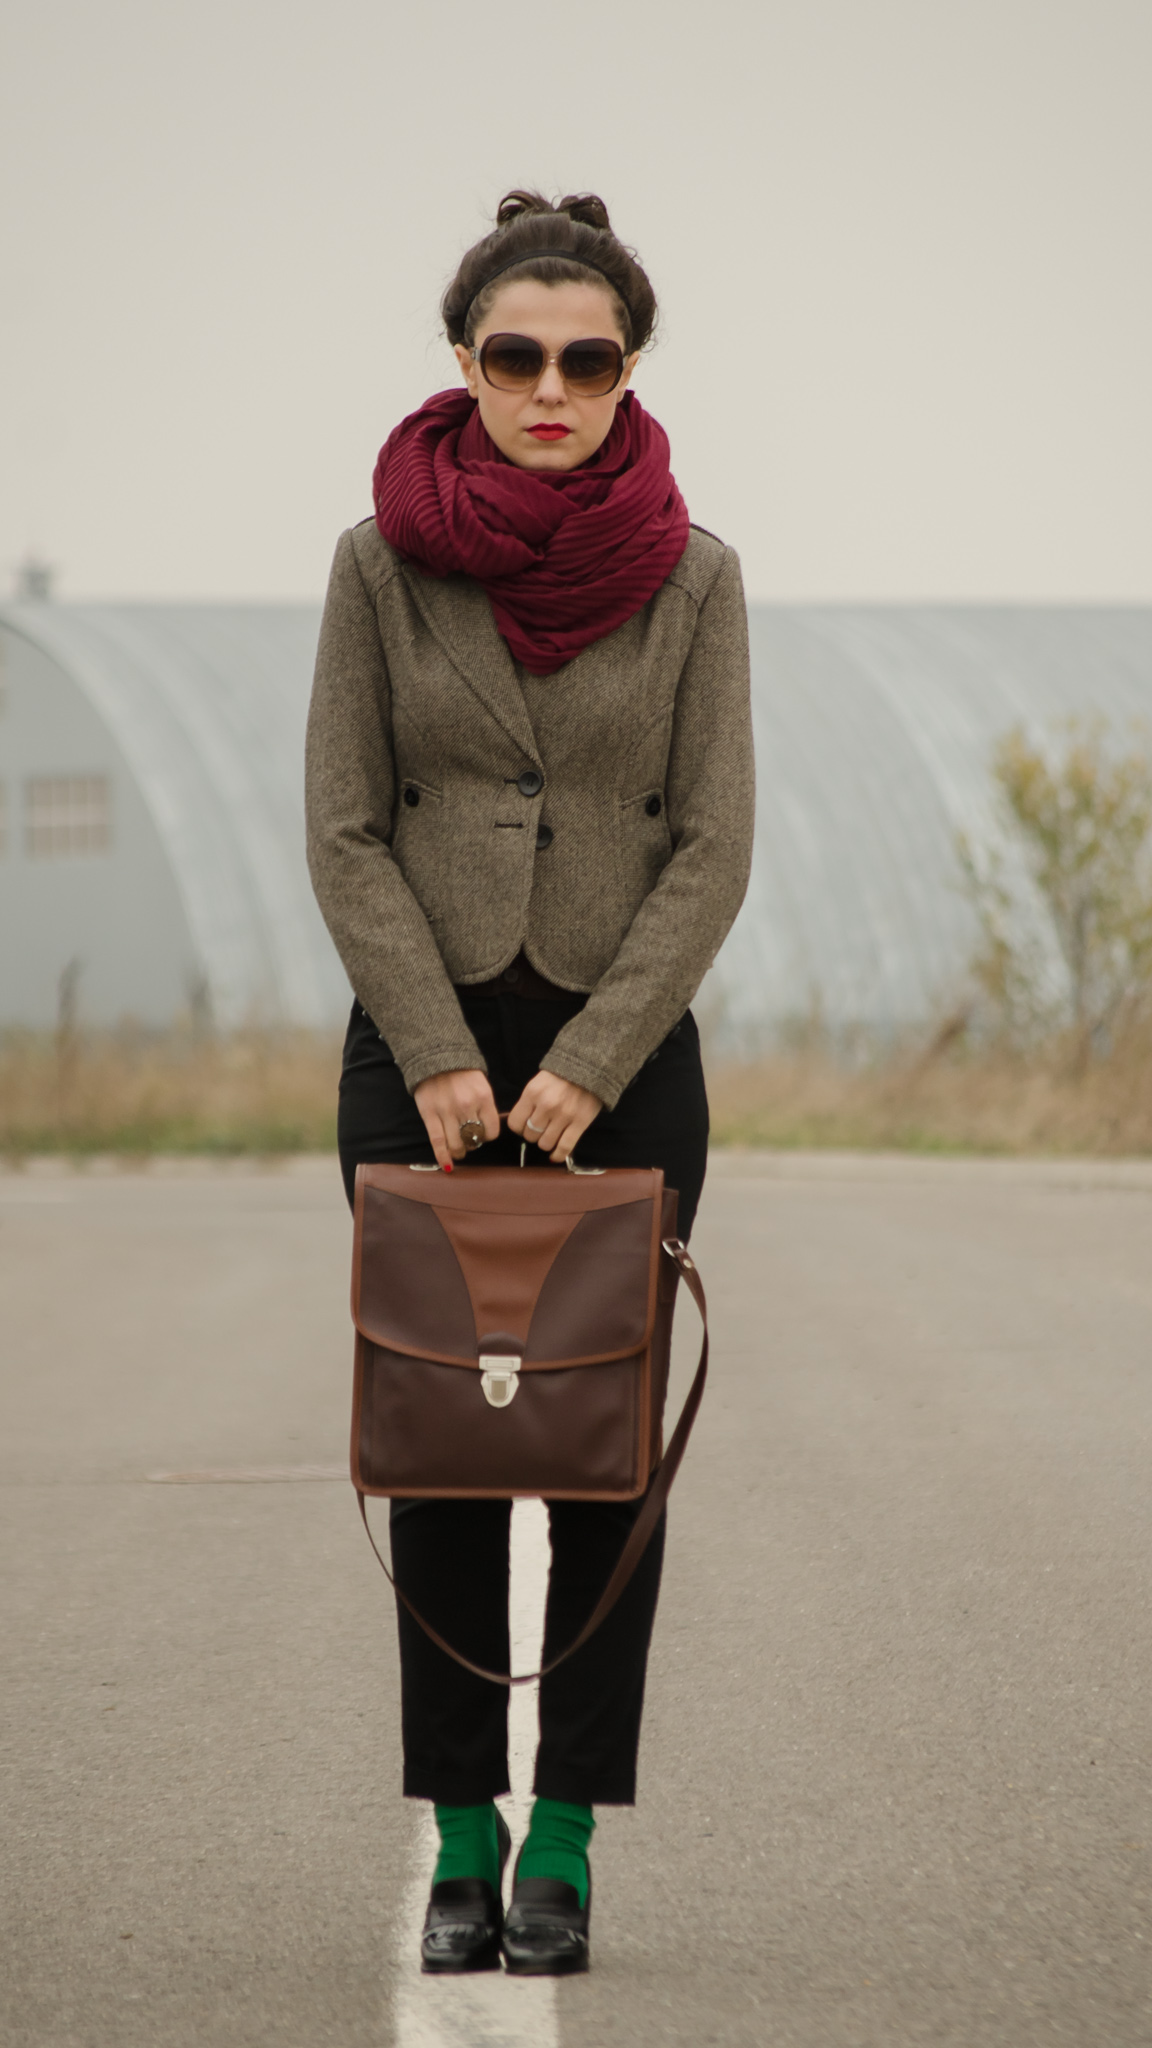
x,y
592,367
511,361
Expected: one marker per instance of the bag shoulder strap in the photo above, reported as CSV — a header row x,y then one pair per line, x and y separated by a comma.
x,y
641,1532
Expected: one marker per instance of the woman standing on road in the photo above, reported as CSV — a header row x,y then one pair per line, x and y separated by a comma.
x,y
530,817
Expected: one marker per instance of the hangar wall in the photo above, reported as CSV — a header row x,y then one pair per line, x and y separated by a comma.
x,y
201,710
84,876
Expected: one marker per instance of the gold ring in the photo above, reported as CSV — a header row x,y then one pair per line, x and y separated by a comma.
x,y
472,1134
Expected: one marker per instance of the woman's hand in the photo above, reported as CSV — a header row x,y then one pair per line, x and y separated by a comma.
x,y
446,1101
554,1114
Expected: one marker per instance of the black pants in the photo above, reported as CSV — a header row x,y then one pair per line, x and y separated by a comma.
x,y
451,1557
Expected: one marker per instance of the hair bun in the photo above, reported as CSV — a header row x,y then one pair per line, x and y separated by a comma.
x,y
539,240
515,204
586,207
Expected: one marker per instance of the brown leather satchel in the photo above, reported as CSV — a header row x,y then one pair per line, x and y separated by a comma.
x,y
513,1331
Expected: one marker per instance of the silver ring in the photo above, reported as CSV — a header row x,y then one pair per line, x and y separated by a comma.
x,y
538,1128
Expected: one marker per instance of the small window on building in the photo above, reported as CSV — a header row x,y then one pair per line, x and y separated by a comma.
x,y
66,814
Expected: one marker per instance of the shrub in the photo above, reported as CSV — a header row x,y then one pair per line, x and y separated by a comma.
x,y
1077,824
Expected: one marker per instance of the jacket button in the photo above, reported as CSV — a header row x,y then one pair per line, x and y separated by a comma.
x,y
653,807
411,796
530,783
543,837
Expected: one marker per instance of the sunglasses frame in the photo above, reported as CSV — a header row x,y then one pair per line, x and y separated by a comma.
x,y
546,361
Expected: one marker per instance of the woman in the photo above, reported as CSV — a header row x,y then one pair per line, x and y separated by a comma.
x,y
530,816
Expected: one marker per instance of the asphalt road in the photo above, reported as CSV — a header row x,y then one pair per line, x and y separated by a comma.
x,y
894,1785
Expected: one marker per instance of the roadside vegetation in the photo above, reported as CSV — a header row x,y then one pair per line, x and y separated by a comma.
x,y
135,1093
987,1100
1047,1049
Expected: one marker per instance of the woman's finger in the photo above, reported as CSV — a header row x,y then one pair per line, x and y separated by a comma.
x,y
566,1143
519,1114
436,1138
484,1113
480,1108
480,1113
544,1125
565,1133
450,1121
572,1135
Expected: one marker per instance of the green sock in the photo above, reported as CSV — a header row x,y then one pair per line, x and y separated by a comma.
x,y
468,1844
556,1844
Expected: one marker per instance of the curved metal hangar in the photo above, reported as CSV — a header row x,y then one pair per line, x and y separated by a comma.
x,y
151,805
152,815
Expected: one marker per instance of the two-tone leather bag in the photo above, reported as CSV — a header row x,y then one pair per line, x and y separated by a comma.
x,y
513,1334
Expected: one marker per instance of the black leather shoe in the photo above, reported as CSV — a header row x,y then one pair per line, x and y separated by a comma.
x,y
463,1924
546,1928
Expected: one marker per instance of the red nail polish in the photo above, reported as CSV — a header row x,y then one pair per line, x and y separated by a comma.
x,y
448,1166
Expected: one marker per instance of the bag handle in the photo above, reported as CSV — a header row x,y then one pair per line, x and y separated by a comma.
x,y
642,1528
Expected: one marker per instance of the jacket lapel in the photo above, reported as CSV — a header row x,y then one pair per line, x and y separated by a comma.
x,y
457,612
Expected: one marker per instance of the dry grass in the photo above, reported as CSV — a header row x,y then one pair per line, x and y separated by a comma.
x,y
265,1092
956,1101
135,1093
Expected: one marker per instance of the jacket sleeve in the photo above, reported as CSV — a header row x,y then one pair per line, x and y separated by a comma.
x,y
380,931
677,931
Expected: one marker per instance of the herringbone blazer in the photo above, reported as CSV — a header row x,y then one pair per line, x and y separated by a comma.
x,y
460,809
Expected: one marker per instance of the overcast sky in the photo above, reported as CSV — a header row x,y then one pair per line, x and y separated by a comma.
x,y
902,249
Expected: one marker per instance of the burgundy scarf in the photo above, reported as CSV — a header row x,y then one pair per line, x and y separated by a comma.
x,y
565,557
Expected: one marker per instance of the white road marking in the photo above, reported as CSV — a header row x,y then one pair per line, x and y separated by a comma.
x,y
491,2010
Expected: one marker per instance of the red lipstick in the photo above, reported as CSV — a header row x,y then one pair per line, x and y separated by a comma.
x,y
553,433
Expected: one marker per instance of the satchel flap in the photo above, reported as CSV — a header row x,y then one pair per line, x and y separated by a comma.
x,y
560,1269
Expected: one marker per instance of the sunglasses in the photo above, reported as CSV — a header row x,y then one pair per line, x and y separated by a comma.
x,y
514,362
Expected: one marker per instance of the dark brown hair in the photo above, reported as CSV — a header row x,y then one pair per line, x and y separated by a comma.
x,y
527,223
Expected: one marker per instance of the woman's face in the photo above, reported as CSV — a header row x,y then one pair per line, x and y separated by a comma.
x,y
526,425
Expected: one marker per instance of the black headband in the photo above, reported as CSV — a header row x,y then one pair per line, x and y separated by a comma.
x,y
529,256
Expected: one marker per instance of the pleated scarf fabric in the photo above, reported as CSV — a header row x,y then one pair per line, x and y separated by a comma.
x,y
564,557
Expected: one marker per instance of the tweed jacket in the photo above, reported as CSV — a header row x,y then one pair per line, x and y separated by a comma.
x,y
460,809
